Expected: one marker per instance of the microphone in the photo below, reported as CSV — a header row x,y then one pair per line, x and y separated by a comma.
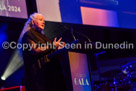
x,y
69,27
73,34
83,36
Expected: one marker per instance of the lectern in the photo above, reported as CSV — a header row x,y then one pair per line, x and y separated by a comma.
x,y
75,69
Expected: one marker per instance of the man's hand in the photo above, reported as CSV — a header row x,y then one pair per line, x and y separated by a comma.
x,y
56,43
61,45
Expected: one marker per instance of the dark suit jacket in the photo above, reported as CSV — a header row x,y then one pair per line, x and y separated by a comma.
x,y
41,73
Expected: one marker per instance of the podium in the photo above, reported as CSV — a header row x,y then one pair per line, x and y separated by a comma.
x,y
75,68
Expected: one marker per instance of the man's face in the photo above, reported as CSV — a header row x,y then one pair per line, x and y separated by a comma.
x,y
39,22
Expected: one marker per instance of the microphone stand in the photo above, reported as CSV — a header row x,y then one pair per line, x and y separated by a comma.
x,y
83,36
71,29
73,34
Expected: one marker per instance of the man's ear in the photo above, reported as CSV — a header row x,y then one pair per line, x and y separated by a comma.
x,y
32,22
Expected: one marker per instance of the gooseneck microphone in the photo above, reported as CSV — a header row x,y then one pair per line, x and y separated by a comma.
x,y
72,33
83,36
71,29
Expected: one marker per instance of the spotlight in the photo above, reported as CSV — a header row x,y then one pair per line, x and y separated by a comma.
x,y
14,64
3,78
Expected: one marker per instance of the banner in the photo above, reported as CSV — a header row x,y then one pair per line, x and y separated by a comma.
x,y
13,8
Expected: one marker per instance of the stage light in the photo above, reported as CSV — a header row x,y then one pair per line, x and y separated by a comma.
x,y
3,78
14,64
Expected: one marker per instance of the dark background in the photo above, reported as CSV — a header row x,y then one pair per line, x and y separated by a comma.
x,y
10,29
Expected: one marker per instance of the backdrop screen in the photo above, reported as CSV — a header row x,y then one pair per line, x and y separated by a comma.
x,y
13,8
111,13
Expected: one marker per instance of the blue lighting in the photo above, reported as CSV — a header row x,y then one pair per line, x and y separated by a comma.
x,y
3,35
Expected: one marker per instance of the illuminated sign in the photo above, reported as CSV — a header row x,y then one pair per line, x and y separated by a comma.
x,y
16,8
79,72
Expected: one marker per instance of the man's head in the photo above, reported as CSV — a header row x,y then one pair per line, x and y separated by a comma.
x,y
37,21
